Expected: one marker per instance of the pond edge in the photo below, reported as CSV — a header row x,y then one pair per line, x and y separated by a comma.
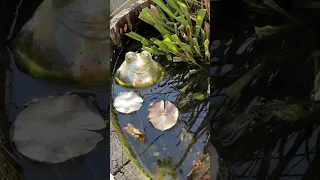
x,y
128,150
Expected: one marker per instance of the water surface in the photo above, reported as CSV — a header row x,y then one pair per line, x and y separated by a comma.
x,y
167,146
252,142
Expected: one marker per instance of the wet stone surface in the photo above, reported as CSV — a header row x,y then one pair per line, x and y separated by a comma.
x,y
120,165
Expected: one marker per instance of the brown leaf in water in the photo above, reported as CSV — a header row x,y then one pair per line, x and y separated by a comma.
x,y
134,132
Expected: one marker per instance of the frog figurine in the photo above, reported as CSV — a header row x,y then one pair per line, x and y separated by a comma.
x,y
139,70
66,41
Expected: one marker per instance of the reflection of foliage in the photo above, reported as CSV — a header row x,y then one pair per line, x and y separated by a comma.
x,y
192,100
193,97
166,169
264,123
201,170
184,26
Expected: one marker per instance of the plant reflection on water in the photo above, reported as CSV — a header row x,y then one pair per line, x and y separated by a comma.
x,y
264,123
183,144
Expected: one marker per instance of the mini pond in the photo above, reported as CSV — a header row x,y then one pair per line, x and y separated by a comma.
x,y
23,89
174,148
270,129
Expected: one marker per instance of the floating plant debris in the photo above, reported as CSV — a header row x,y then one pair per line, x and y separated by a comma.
x,y
56,129
134,132
128,102
163,115
139,70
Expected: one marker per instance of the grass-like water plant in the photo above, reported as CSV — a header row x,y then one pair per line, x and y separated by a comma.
x,y
184,26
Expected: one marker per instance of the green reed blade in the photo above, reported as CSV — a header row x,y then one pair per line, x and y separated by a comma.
x,y
171,45
183,21
164,8
153,50
174,6
146,16
135,36
161,29
200,17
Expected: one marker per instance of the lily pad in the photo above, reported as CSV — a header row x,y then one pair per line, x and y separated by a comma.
x,y
163,115
57,129
128,102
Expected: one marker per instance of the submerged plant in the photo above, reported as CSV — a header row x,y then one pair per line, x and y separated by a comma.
x,y
184,26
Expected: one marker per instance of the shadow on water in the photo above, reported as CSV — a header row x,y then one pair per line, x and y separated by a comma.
x,y
265,124
180,147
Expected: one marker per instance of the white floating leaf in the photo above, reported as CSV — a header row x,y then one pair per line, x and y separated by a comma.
x,y
128,102
163,115
56,129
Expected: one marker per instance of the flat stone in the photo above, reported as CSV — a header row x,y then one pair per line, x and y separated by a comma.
x,y
118,158
128,172
120,165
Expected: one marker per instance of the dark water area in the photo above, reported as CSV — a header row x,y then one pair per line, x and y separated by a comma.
x,y
166,147
23,89
271,129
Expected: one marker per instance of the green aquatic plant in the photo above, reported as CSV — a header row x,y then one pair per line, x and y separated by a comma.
x,y
184,26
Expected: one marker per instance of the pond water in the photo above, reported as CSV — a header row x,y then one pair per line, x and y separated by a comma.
x,y
24,89
167,146
271,130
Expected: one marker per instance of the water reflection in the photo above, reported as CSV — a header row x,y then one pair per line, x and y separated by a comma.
x,y
269,127
173,152
22,90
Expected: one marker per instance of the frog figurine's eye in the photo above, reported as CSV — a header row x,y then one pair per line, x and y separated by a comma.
x,y
130,57
145,55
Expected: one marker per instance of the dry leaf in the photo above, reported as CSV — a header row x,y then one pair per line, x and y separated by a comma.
x,y
134,132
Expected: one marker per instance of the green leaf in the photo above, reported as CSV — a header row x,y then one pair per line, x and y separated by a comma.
x,y
146,16
160,44
171,45
185,11
153,50
176,38
183,21
164,8
161,29
135,36
206,48
200,17
145,42
174,5
196,46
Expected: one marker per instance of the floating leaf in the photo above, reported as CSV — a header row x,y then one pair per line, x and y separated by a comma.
x,y
163,115
128,102
134,132
56,129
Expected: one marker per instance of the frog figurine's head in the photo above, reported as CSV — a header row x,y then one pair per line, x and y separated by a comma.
x,y
138,70
131,57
